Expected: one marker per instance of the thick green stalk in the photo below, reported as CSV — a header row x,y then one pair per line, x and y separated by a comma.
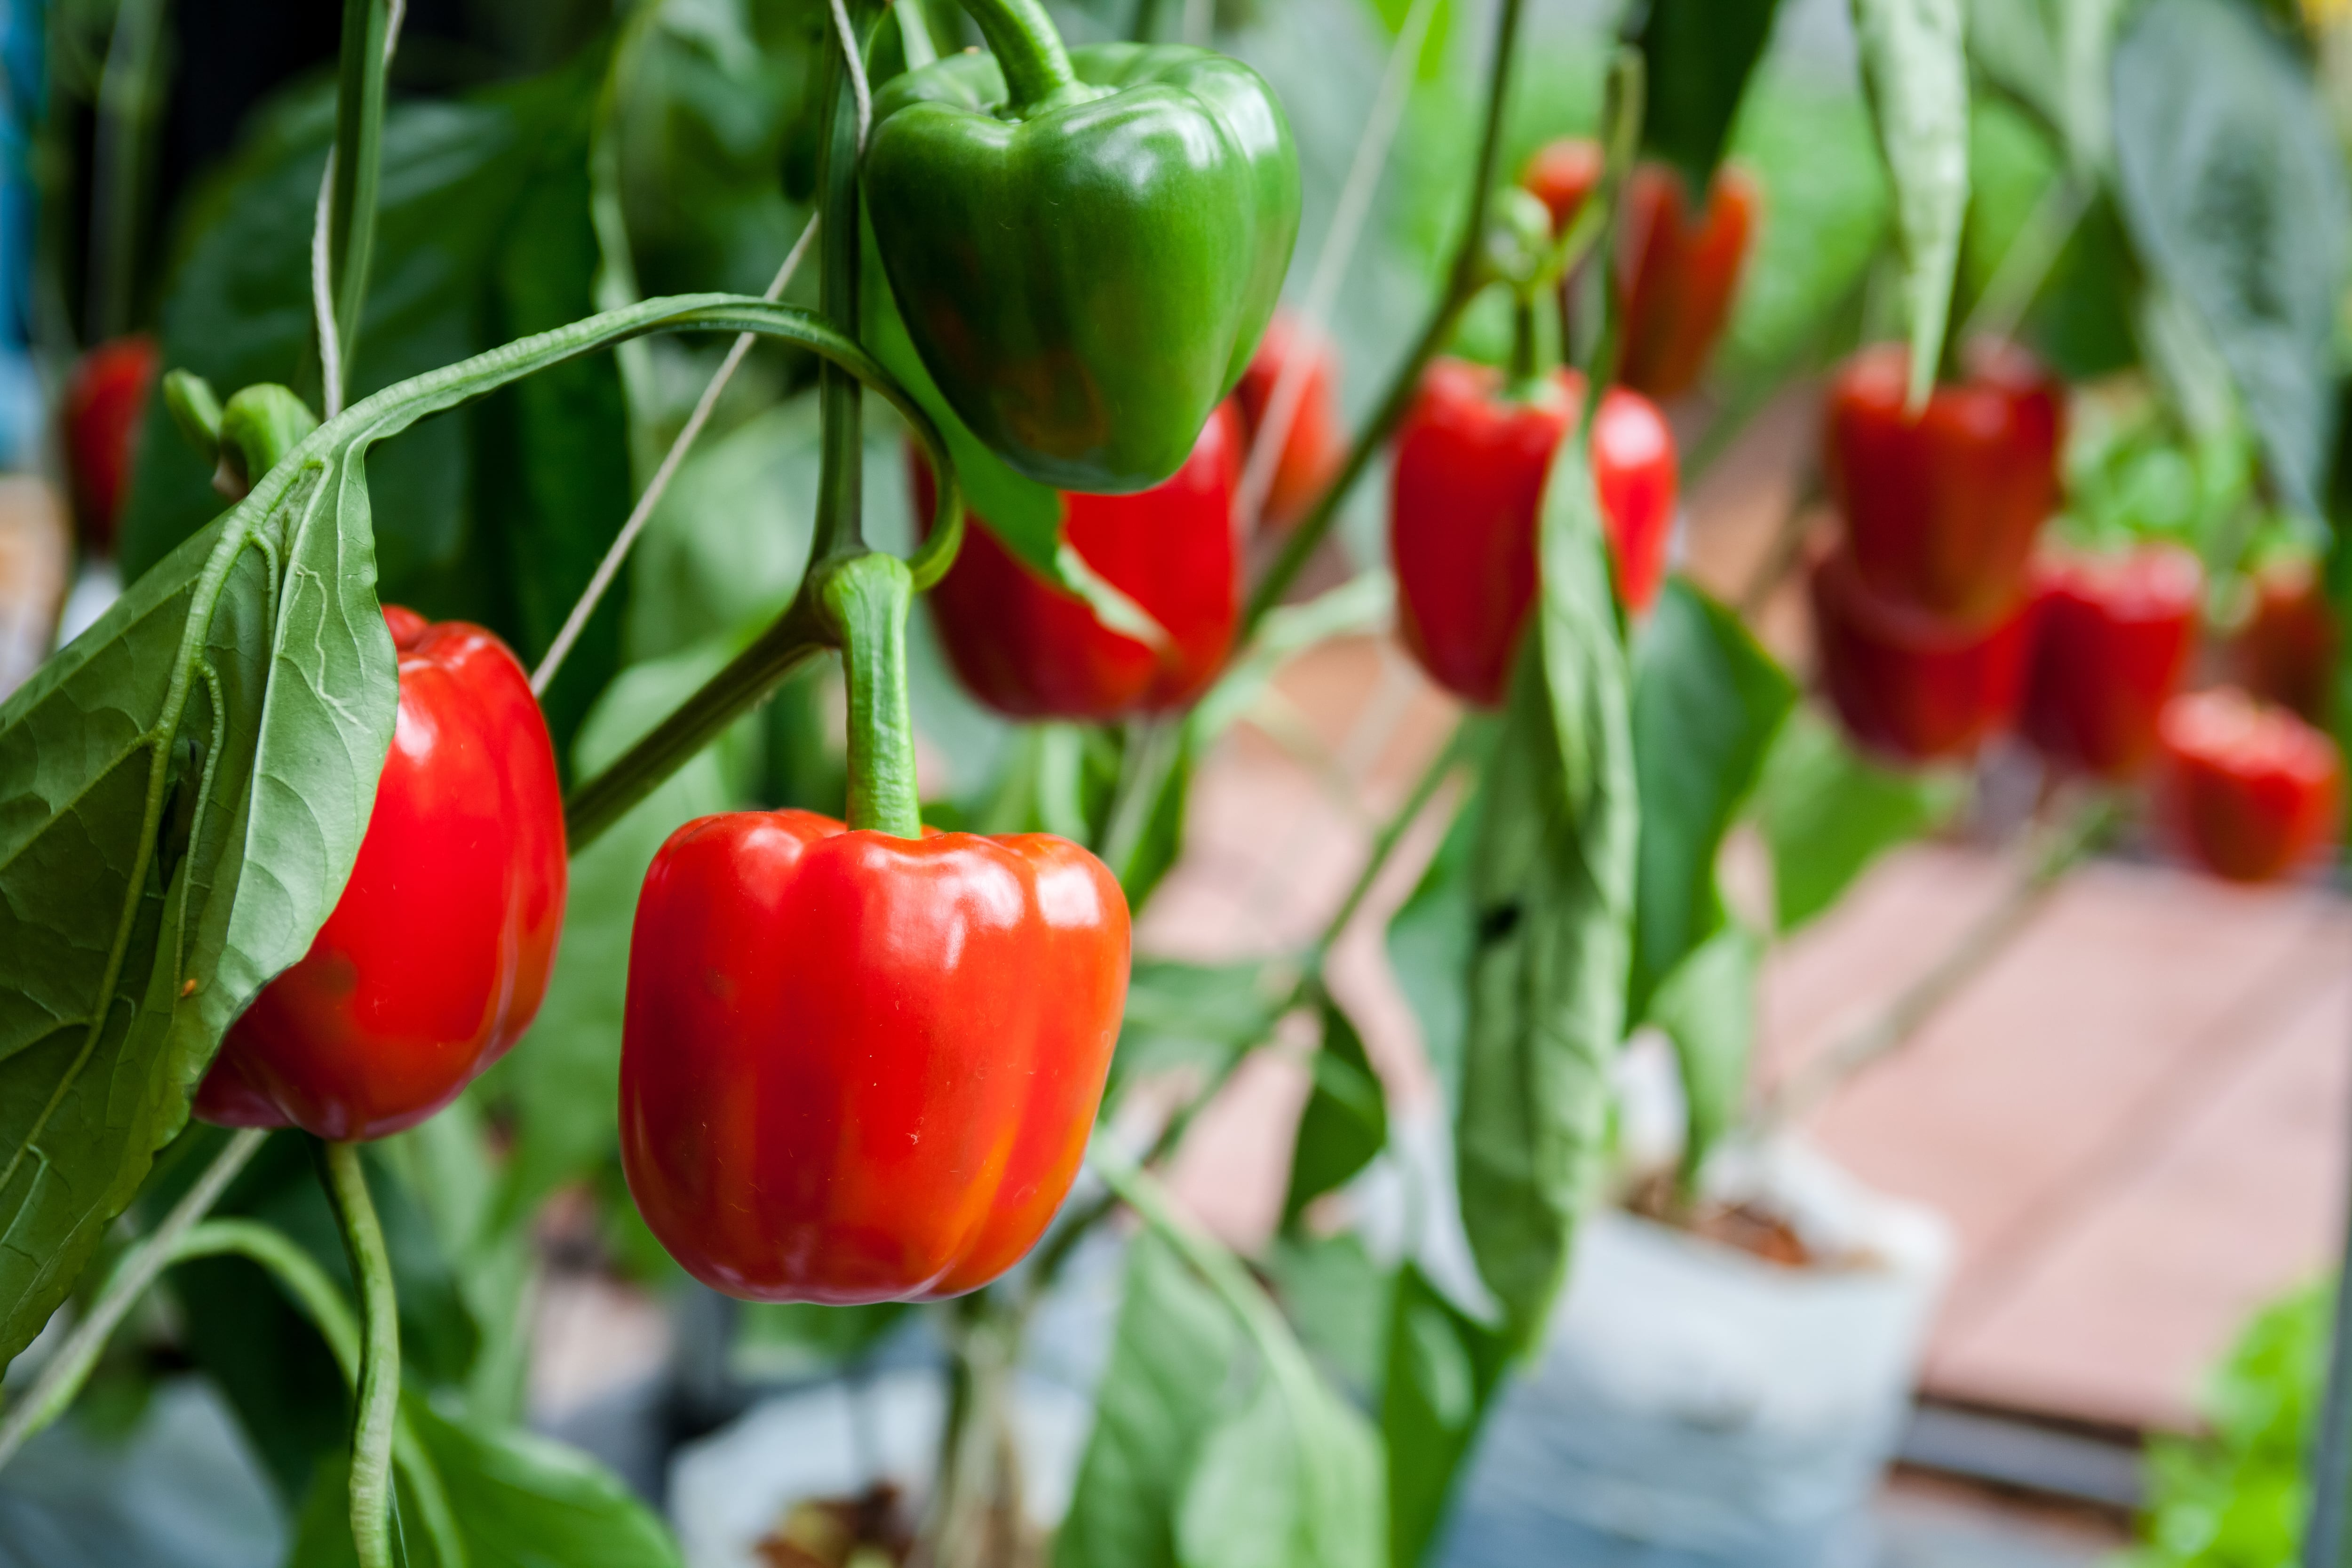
x,y
359,168
377,1414
1464,280
840,498
867,599
1028,49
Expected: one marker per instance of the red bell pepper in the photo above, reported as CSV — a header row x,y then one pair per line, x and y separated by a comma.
x,y
861,1068
1030,650
2111,638
103,400
435,957
1465,492
1908,686
2249,792
2286,653
1679,270
1312,452
1941,512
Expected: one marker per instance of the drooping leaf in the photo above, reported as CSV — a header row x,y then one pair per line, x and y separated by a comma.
x,y
2234,184
1699,55
1171,1359
1442,1370
1191,1015
1828,812
1707,1008
1915,69
1706,703
1430,942
1347,1118
1336,1294
1552,879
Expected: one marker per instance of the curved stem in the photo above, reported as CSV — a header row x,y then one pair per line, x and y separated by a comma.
x,y
840,498
378,1404
1463,281
366,60
1027,49
867,600
53,1390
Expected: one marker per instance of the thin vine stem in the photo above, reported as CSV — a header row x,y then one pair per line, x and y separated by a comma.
x,y
610,566
377,1411
53,1390
1463,280
354,171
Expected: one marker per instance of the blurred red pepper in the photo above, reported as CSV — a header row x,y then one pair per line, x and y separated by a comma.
x,y
435,957
1465,492
1312,452
2286,653
1907,685
1030,650
2110,637
2250,792
103,400
863,1067
1681,269
1941,512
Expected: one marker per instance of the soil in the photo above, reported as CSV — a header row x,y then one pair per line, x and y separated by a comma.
x,y
1746,1226
869,1530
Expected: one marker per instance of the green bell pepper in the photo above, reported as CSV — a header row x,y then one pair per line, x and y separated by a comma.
x,y
1085,245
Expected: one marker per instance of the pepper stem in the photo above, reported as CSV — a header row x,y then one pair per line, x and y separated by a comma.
x,y
378,1399
1027,49
866,599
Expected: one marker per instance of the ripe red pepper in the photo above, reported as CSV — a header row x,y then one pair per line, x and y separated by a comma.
x,y
103,400
437,954
2249,791
1464,493
1030,650
2286,653
2110,638
1315,447
1680,270
1941,512
863,1067
1907,685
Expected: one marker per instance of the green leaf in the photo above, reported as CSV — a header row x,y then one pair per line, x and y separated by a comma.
x,y
1828,812
1442,1370
1707,1008
1917,73
1552,888
1160,1394
499,516
1192,1016
1430,943
1699,55
1336,1296
2234,185
1706,703
1347,1118
1291,1480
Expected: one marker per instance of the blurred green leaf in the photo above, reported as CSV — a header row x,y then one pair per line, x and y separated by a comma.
x,y
1699,54
1192,1016
1429,942
1347,1118
1442,1370
2233,184
1828,812
1707,1008
1917,74
1338,1297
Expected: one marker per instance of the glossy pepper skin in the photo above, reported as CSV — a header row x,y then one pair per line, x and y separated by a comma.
x,y
1084,264
2111,636
2286,652
859,1068
103,400
435,958
1680,269
1027,650
1316,445
2249,792
1464,493
1942,511
1907,686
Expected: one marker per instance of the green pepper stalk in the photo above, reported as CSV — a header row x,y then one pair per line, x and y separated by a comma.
x,y
1028,50
867,600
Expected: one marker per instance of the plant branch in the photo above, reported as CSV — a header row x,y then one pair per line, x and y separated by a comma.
x,y
2048,859
377,1408
1463,280
61,1378
354,170
1384,845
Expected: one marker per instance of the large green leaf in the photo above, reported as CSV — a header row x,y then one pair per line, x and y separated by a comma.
x,y
2234,184
184,789
1347,1118
1552,882
1429,942
1161,1394
1917,72
1699,55
1706,703
1192,1016
1828,812
497,516
1707,1008
1442,1370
